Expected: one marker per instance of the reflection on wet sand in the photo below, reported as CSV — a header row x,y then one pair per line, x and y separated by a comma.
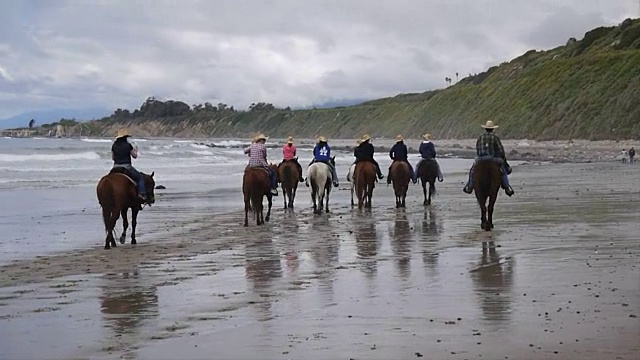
x,y
431,228
325,255
126,302
366,245
401,244
493,280
262,268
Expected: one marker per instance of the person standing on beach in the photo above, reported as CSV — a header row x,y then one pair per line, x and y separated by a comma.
x,y
428,153
632,155
322,153
624,155
365,151
399,152
289,153
121,153
257,152
489,147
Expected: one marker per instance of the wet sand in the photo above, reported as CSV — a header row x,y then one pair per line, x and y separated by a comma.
x,y
559,278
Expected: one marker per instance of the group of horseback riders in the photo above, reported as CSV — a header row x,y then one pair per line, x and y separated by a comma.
x,y
488,146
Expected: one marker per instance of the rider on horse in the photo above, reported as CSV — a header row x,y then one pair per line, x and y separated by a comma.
x,y
289,154
257,152
364,152
322,153
399,152
489,147
121,153
428,153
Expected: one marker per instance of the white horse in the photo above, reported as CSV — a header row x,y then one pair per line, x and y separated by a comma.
x,y
350,179
319,176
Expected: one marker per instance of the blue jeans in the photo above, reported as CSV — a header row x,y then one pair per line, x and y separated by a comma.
x,y
504,179
136,176
415,176
273,179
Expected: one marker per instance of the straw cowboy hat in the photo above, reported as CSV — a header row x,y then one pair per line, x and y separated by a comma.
x,y
426,136
399,138
260,137
489,125
365,137
122,133
290,140
322,139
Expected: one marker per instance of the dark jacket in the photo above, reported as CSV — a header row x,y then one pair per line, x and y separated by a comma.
x,y
364,151
427,150
399,152
121,152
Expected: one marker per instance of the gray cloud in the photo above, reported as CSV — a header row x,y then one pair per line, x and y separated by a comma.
x,y
288,52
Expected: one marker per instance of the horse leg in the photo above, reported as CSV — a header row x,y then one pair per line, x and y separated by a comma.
x,y
134,223
270,203
492,202
106,216
313,198
292,197
482,201
247,208
369,195
424,192
432,190
352,204
284,195
125,225
112,226
326,207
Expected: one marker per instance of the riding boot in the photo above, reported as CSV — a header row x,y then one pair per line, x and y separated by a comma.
x,y
389,177
378,171
505,182
469,187
142,192
273,180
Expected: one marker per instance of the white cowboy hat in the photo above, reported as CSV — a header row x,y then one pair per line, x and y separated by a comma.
x,y
426,136
322,139
489,125
122,133
260,137
290,140
399,138
365,137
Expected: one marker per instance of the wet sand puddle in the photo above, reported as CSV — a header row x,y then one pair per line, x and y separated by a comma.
x,y
558,278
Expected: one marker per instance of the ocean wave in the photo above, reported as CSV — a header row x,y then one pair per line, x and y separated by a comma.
x,y
89,155
199,146
96,140
183,141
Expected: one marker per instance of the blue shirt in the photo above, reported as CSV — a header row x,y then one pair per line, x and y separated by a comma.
x,y
427,150
322,152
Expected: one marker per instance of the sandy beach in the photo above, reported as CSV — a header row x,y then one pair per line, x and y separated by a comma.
x,y
559,278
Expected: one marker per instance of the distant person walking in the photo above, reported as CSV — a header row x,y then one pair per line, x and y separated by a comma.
x,y
624,155
632,155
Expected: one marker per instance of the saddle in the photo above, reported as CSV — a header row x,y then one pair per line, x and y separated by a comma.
x,y
123,172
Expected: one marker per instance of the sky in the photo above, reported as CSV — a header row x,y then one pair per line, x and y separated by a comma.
x,y
115,54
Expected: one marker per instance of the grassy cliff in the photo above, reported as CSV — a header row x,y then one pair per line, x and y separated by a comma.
x,y
588,89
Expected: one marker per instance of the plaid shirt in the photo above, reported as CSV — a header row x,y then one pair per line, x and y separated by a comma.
x,y
257,155
489,144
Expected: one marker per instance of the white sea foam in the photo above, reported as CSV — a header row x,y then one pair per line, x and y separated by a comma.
x,y
96,140
88,155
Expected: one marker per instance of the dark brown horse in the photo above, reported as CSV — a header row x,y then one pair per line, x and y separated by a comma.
x,y
255,186
365,178
486,185
288,176
117,194
428,172
400,176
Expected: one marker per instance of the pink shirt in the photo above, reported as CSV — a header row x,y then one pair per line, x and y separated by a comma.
x,y
288,152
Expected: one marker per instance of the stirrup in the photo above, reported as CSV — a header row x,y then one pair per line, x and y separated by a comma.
x,y
467,189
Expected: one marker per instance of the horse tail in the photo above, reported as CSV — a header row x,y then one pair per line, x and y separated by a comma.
x,y
106,199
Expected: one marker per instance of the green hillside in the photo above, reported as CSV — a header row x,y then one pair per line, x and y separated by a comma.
x,y
588,88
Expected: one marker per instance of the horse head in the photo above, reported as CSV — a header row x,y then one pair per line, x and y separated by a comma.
x,y
150,185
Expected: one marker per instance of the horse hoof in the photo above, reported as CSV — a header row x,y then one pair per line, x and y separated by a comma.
x,y
246,225
266,219
107,247
122,240
133,241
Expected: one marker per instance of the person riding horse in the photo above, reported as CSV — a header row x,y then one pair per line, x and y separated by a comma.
x,y
322,153
257,152
489,147
399,152
121,153
428,153
365,151
289,153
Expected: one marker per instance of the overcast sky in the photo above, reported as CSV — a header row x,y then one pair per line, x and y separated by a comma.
x,y
70,54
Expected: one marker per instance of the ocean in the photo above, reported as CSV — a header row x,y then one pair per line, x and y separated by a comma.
x,y
47,186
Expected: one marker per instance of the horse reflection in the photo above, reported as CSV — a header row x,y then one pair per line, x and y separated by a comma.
x,y
431,228
126,302
261,269
493,280
401,244
325,255
367,246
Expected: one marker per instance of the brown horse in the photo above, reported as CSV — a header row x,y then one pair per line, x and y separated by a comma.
x,y
365,178
486,185
400,176
117,194
288,176
428,172
255,186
